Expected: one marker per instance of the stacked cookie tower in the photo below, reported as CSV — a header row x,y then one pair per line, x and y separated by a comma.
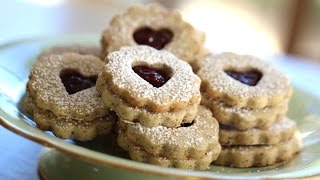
x,y
250,99
155,93
156,97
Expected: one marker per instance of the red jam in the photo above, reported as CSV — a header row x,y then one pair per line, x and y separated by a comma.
x,y
250,78
74,82
154,38
156,77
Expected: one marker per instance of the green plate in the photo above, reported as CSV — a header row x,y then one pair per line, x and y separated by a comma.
x,y
15,61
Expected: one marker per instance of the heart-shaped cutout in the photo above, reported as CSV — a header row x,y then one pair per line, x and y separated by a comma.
x,y
74,82
250,77
156,77
154,38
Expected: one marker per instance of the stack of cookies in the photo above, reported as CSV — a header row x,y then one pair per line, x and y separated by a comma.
x,y
61,96
156,97
249,98
142,79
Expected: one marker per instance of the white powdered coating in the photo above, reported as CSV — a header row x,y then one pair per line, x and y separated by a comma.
x,y
47,88
181,87
185,44
272,83
197,136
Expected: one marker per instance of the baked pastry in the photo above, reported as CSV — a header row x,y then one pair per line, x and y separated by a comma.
x,y
148,86
193,143
63,95
259,155
243,81
279,132
155,26
246,118
68,128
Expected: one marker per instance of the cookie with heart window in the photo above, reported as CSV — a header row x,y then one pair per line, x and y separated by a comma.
x,y
63,91
149,86
155,26
243,81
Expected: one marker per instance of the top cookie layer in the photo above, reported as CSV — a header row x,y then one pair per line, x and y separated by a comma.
x,y
47,88
272,88
181,90
186,42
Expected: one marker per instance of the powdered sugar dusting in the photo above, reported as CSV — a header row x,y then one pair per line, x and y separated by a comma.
x,y
204,131
185,44
181,87
47,88
272,83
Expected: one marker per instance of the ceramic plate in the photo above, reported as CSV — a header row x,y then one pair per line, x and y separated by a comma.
x,y
16,59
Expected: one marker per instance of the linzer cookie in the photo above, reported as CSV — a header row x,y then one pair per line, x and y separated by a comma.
x,y
195,142
64,97
80,49
246,118
259,155
65,85
148,86
155,26
243,81
279,132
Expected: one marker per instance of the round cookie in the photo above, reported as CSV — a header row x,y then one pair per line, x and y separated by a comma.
x,y
243,81
279,132
157,27
245,118
67,128
65,85
153,83
260,155
190,141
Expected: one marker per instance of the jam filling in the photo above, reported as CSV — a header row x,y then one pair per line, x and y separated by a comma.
x,y
187,124
74,82
251,77
154,38
156,77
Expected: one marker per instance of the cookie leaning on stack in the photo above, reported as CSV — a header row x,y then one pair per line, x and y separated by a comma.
x,y
155,26
249,98
61,96
155,95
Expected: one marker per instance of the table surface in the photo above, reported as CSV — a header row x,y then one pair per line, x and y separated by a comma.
x,y
19,156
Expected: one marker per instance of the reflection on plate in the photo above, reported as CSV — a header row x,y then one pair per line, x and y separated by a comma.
x,y
15,62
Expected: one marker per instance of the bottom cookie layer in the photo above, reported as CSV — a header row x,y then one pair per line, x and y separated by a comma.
x,y
67,128
259,155
137,154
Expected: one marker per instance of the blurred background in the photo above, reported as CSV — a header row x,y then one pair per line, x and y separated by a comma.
x,y
255,27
